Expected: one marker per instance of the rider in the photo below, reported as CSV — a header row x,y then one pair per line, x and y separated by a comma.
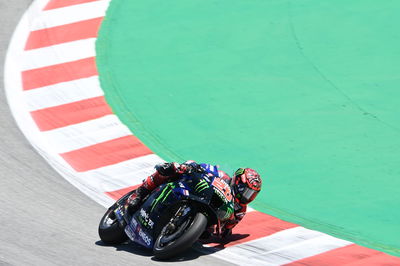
x,y
245,184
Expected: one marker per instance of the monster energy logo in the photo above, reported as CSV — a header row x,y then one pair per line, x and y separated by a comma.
x,y
163,196
202,185
229,212
239,171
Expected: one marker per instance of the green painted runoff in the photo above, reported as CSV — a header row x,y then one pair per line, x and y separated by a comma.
x,y
307,92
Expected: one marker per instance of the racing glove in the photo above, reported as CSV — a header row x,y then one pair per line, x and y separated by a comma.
x,y
190,167
167,169
171,169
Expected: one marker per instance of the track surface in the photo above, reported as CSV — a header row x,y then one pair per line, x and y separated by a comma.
x,y
45,220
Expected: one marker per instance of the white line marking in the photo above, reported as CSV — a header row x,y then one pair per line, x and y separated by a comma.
x,y
58,54
85,134
62,93
127,168
69,14
121,175
281,248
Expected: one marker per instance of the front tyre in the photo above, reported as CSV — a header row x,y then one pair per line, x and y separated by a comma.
x,y
110,231
190,230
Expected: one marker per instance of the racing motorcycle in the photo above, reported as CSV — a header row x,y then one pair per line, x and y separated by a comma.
x,y
173,216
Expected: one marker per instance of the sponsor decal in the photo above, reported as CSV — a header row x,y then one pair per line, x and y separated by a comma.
x,y
145,237
134,223
202,185
239,171
131,228
167,189
145,219
229,212
220,195
206,177
129,232
222,189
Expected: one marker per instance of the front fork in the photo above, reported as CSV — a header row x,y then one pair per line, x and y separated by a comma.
x,y
176,219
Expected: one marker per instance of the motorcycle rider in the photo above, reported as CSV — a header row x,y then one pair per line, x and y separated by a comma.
x,y
245,185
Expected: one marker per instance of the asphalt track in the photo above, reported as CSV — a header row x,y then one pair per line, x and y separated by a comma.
x,y
45,220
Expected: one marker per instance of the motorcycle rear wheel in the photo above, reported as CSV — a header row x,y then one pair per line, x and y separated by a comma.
x,y
191,233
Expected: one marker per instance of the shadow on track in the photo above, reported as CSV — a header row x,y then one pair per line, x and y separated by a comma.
x,y
199,249
219,244
133,248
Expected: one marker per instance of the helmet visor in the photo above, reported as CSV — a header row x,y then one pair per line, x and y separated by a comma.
x,y
248,195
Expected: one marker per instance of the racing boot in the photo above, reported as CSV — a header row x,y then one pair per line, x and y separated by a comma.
x,y
135,200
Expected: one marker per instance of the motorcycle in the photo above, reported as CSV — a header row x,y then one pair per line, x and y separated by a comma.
x,y
173,216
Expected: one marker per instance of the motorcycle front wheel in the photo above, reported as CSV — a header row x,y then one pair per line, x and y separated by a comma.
x,y
110,231
172,242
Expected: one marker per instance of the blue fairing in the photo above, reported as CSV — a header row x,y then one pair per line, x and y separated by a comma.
x,y
198,188
212,169
138,234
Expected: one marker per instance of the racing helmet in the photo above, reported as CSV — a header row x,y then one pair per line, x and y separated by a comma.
x,y
246,184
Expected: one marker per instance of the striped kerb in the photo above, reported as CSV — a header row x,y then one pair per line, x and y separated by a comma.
x,y
71,113
253,226
45,76
62,34
106,153
349,255
120,192
53,4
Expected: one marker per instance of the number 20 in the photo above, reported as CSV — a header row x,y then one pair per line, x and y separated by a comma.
x,y
223,187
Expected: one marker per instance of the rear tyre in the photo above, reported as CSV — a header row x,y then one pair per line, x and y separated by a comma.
x,y
192,229
110,231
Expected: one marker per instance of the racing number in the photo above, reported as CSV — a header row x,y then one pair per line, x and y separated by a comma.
x,y
223,187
